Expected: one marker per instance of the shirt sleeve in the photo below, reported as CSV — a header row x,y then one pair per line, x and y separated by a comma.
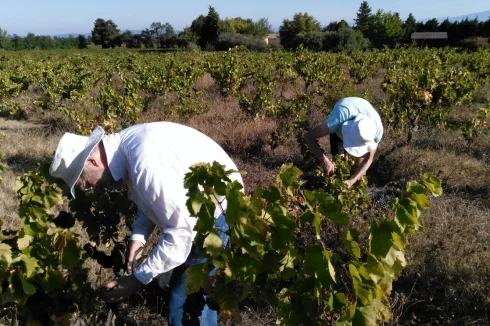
x,y
142,227
165,196
336,119
379,135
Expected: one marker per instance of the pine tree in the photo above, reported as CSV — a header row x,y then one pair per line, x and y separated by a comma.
x,y
210,29
410,26
364,19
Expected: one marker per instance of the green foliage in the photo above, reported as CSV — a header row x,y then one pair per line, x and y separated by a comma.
x,y
301,23
70,79
5,42
228,40
410,27
119,110
41,260
312,41
229,73
474,126
210,29
280,248
82,42
336,26
352,200
239,25
104,33
387,28
363,65
424,87
364,19
38,42
345,39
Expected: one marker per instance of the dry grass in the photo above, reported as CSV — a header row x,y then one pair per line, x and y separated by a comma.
x,y
447,281
24,145
460,231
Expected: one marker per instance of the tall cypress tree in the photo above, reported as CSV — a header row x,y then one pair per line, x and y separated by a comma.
x,y
364,19
210,28
410,26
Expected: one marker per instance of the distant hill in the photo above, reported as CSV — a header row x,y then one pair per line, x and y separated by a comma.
x,y
88,34
71,34
482,16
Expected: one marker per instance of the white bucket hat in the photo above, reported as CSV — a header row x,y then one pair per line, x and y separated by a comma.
x,y
358,135
71,154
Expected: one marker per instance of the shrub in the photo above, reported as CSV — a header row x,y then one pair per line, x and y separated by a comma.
x,y
230,40
471,43
275,44
312,41
345,39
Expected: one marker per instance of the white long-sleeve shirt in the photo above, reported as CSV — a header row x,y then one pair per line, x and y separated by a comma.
x,y
153,158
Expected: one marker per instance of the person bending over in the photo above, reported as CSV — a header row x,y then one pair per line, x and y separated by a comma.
x,y
152,159
354,128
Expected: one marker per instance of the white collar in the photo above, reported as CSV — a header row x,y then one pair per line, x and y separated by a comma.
x,y
115,156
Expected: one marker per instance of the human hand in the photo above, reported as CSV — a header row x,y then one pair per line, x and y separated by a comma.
x,y
328,166
121,288
133,253
349,183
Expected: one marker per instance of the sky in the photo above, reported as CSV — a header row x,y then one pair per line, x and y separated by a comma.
x,y
51,17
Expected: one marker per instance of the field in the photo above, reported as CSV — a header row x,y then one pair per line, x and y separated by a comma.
x,y
434,105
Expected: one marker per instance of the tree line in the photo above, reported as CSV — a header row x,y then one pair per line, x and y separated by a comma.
x,y
210,32
41,42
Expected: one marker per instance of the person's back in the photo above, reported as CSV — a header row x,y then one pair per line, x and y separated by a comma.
x,y
354,128
173,145
349,108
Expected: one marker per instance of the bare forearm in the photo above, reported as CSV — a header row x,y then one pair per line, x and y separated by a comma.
x,y
361,169
314,147
310,138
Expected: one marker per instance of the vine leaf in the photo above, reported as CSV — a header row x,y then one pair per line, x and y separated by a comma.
x,y
418,194
432,183
71,254
213,244
196,278
29,289
351,238
31,264
288,262
5,254
24,242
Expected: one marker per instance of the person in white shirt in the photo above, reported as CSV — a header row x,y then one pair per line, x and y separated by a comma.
x,y
354,127
152,159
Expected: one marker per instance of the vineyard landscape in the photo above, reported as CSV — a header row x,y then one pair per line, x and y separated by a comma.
x,y
408,246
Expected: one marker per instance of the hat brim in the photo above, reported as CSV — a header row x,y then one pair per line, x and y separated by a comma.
x,y
358,151
94,138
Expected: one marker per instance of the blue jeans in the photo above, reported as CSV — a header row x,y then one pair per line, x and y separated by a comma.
x,y
178,300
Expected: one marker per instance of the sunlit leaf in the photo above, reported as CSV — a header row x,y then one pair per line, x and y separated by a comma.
x,y
24,242
196,278
432,183
418,193
31,265
5,254
350,241
213,244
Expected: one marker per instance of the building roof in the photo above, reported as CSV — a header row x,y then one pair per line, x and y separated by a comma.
x,y
429,36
